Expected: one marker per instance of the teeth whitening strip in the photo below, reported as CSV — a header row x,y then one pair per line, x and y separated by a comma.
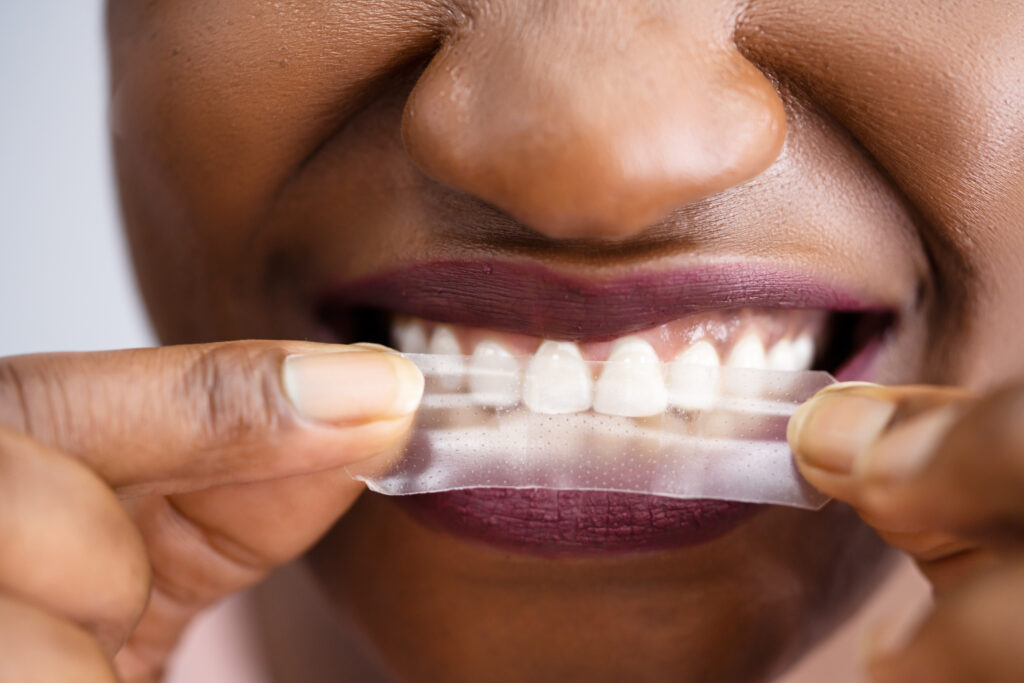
x,y
602,426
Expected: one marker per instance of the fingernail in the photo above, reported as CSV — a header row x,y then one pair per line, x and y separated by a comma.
x,y
837,424
352,386
370,346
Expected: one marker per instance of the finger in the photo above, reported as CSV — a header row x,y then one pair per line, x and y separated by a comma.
x,y
225,539
214,542
68,545
37,646
832,433
958,468
840,423
189,417
974,634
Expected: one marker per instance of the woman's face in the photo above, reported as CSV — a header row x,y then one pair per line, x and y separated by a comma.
x,y
684,170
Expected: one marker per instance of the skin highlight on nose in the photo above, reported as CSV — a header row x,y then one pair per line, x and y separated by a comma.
x,y
593,129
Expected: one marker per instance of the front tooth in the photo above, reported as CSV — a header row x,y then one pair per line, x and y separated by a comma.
x,y
693,377
630,384
748,352
782,356
493,376
444,343
797,354
803,352
409,336
557,380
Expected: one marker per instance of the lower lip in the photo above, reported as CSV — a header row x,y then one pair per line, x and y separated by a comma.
x,y
552,523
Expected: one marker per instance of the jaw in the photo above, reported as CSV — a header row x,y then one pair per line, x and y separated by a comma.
x,y
739,608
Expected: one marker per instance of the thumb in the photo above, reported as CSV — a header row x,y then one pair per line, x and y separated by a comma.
x,y
183,418
836,435
228,457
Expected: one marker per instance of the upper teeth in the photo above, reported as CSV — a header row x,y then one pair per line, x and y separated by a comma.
x,y
693,377
631,383
493,376
747,353
409,336
557,380
792,355
443,342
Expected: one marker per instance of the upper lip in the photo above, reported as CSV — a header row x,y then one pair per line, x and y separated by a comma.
x,y
530,298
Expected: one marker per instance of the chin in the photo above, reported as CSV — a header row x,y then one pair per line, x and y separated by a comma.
x,y
438,605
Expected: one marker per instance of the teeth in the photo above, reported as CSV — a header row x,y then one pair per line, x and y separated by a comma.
x,y
803,352
792,355
557,380
782,356
409,336
444,343
693,377
630,384
493,376
747,353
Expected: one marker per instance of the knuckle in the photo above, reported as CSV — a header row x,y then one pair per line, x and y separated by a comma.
x,y
234,391
15,407
34,398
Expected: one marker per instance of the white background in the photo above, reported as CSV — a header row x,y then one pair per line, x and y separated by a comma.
x,y
65,283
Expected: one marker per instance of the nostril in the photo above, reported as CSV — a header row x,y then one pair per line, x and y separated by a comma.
x,y
575,143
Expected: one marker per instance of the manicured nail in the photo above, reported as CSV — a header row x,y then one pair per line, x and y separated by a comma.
x,y
838,424
352,386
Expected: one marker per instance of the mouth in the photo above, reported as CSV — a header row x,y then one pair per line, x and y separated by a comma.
x,y
739,315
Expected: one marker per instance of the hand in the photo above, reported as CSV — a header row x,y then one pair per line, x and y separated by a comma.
x,y
137,487
939,473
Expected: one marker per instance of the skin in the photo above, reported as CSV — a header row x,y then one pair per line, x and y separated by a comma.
x,y
266,151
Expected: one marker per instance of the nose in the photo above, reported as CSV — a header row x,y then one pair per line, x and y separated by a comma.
x,y
593,118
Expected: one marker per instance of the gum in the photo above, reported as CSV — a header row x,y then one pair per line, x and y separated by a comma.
x,y
731,448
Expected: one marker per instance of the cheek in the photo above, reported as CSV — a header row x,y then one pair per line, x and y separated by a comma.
x,y
228,101
934,96
214,106
438,608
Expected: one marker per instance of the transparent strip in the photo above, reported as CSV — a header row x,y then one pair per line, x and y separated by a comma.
x,y
720,432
